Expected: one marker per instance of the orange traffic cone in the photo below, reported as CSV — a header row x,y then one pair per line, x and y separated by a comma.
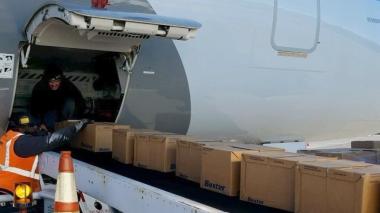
x,y
66,199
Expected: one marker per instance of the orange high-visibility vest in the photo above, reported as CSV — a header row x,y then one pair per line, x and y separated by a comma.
x,y
15,169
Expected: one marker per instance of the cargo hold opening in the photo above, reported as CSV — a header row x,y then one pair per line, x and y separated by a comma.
x,y
98,75
96,49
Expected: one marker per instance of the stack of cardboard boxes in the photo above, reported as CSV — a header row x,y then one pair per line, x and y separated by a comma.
x,y
294,182
305,183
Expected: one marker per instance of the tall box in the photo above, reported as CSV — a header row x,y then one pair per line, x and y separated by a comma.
x,y
311,192
267,178
123,141
156,151
220,170
354,190
188,160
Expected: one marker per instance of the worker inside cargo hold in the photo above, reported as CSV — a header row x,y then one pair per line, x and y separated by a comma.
x,y
69,85
55,98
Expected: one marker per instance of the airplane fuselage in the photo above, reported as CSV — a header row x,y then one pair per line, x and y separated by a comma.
x,y
281,69
261,70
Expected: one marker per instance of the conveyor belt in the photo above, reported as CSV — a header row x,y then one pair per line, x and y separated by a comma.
x,y
170,183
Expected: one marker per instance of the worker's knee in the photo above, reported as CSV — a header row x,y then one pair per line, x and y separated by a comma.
x,y
68,109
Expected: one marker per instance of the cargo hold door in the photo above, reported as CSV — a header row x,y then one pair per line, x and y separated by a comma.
x,y
75,26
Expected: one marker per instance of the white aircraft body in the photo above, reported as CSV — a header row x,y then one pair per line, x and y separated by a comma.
x,y
282,69
258,70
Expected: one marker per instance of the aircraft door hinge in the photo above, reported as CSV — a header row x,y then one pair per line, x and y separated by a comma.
x,y
130,59
25,56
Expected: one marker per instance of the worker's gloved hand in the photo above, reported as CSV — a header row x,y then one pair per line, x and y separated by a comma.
x,y
65,135
82,124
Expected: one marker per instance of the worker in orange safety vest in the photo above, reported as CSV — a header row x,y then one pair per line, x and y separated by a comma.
x,y
19,149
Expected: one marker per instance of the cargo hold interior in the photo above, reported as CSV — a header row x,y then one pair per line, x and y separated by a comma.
x,y
98,75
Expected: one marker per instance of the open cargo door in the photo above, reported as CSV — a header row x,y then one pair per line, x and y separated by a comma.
x,y
75,26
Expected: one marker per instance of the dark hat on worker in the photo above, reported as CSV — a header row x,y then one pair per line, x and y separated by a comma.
x,y
18,120
22,121
53,72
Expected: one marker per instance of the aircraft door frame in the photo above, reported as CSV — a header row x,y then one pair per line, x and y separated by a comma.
x,y
103,30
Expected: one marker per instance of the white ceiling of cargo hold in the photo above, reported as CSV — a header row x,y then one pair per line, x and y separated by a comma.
x,y
75,26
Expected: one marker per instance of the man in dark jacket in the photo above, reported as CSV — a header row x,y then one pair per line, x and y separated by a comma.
x,y
55,98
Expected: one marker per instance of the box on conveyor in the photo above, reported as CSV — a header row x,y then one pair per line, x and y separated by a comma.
x,y
354,190
123,141
365,144
312,182
188,160
156,151
268,178
97,136
220,170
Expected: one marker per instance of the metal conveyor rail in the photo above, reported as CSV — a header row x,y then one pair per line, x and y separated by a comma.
x,y
120,192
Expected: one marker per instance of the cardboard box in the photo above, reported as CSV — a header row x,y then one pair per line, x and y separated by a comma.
x,y
156,151
96,137
311,184
220,170
123,140
365,144
367,155
190,150
354,190
267,178
84,139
